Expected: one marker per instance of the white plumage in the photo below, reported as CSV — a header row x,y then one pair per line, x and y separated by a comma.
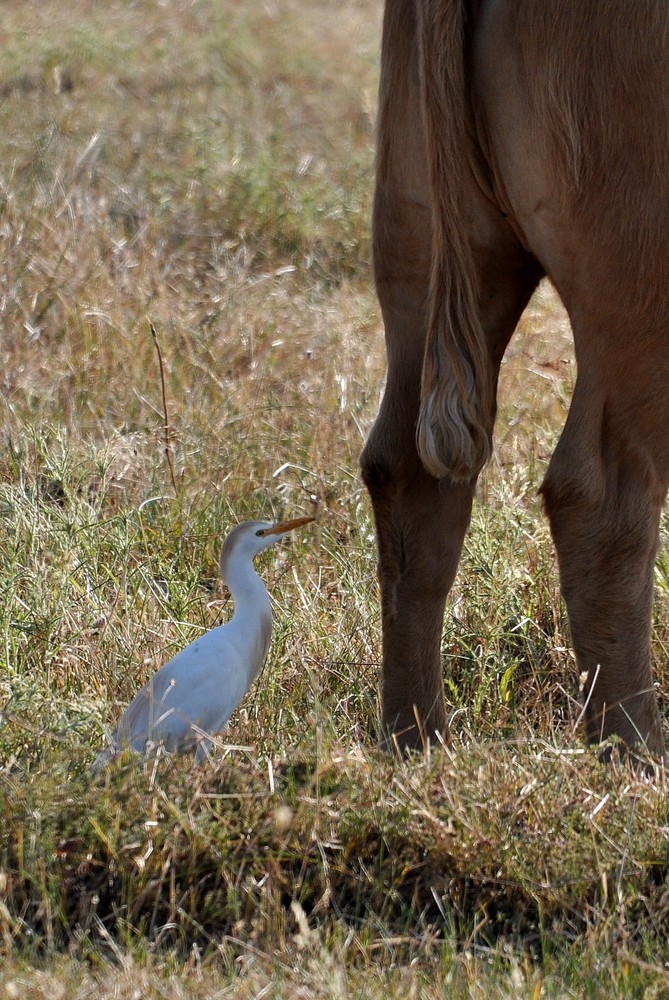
x,y
191,698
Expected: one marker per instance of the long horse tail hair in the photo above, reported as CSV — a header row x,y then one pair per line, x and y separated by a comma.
x,y
454,425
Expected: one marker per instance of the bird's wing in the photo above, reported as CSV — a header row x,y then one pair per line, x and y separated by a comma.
x,y
196,691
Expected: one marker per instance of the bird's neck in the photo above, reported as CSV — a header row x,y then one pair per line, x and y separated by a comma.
x,y
251,622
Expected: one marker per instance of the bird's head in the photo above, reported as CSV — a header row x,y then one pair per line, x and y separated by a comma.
x,y
248,539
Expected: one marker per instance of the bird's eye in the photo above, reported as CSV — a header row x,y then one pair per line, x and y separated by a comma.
x,y
260,532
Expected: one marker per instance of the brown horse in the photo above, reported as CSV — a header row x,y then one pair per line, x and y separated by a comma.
x,y
522,138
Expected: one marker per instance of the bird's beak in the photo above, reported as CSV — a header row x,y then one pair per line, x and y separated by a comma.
x,y
280,529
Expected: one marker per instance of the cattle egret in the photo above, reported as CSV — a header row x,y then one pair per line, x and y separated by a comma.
x,y
191,698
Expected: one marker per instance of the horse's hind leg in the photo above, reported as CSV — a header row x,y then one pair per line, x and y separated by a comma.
x,y
421,521
603,493
583,167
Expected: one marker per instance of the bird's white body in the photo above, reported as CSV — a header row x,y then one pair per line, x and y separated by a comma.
x,y
192,697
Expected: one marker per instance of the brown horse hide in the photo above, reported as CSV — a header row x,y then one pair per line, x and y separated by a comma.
x,y
516,139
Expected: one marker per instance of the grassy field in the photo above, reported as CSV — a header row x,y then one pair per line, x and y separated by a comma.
x,y
205,168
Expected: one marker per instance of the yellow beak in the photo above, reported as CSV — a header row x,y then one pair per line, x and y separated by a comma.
x,y
283,526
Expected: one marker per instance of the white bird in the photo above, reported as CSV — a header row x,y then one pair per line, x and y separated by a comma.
x,y
191,698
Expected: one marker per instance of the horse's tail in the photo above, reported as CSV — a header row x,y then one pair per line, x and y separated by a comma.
x,y
454,424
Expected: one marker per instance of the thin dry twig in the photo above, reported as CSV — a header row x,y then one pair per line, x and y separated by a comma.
x,y
166,425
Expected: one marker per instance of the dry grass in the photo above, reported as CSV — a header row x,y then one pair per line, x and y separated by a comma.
x,y
207,168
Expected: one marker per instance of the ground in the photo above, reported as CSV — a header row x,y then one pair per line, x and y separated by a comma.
x,y
204,170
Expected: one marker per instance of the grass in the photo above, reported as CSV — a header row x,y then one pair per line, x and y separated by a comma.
x,y
207,168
